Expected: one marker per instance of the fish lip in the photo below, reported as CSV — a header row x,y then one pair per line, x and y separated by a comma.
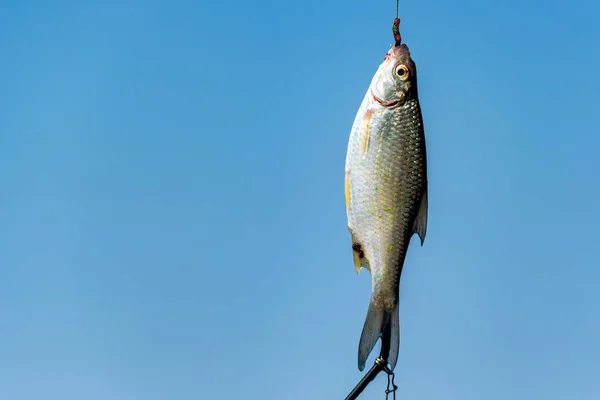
x,y
388,104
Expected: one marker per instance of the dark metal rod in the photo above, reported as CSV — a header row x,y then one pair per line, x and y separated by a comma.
x,y
375,369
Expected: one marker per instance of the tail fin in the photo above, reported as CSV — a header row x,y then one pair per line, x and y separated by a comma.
x,y
380,324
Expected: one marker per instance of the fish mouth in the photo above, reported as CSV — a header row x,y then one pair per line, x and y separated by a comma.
x,y
388,104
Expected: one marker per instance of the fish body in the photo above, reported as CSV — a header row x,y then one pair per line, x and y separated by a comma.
x,y
386,192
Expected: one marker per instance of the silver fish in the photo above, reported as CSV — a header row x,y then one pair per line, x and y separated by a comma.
x,y
386,193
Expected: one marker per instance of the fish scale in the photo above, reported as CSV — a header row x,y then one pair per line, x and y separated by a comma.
x,y
386,192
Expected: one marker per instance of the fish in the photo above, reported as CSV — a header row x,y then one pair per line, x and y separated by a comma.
x,y
386,191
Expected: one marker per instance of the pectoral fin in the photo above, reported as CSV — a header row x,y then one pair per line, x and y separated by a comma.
x,y
420,226
347,190
365,133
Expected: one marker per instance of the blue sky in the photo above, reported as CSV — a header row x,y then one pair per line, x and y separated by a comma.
x,y
172,211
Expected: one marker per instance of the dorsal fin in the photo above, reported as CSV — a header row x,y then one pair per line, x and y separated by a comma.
x,y
420,226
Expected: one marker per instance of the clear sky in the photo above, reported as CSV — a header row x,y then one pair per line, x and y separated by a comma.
x,y
172,214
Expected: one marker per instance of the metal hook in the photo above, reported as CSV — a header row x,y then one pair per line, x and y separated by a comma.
x,y
390,383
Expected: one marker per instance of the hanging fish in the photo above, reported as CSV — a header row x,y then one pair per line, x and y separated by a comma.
x,y
386,191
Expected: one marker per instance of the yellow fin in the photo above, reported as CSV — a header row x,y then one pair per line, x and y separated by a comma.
x,y
347,189
357,262
360,261
366,132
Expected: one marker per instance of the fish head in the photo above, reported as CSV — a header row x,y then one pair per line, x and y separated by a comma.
x,y
395,81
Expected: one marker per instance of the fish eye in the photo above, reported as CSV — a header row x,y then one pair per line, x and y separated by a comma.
x,y
402,72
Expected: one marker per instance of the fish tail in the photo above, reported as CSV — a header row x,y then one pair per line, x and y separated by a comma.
x,y
380,324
